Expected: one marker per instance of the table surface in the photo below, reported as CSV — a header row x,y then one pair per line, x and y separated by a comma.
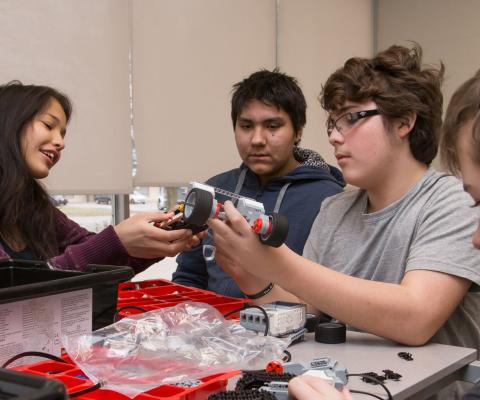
x,y
432,364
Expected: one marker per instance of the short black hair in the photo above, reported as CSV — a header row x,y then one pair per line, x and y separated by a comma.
x,y
272,88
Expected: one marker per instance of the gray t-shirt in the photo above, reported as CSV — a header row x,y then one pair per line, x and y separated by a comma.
x,y
430,228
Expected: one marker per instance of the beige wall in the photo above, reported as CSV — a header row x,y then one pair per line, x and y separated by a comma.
x,y
81,48
186,56
447,30
314,39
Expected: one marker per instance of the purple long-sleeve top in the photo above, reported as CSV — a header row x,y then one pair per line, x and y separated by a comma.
x,y
79,247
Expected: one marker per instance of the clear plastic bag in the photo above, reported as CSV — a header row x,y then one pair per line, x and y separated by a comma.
x,y
168,346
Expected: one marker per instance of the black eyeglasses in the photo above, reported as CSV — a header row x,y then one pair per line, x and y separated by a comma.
x,y
346,121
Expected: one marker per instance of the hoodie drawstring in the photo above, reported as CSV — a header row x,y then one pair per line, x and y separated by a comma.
x,y
281,194
280,197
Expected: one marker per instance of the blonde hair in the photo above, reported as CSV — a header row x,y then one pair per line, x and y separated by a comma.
x,y
464,105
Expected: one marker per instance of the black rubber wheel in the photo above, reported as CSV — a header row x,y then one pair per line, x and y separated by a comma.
x,y
198,206
279,231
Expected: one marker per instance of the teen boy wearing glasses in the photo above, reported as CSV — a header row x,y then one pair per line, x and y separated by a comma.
x,y
460,149
392,257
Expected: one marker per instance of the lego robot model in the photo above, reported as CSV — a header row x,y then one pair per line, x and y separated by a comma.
x,y
200,205
326,368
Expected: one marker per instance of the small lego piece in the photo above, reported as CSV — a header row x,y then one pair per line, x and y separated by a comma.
x,y
295,337
406,356
189,383
274,367
389,374
374,375
334,372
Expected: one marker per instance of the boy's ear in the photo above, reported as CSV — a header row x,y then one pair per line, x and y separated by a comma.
x,y
298,137
406,124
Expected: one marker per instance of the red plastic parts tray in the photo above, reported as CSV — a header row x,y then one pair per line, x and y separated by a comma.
x,y
160,293
74,380
148,295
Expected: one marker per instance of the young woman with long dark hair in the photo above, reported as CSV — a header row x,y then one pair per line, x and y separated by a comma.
x,y
33,123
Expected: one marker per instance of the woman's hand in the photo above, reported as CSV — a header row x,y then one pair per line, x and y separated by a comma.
x,y
142,239
306,387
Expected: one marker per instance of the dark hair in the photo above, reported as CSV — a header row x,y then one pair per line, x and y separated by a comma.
x,y
272,88
464,106
395,81
25,206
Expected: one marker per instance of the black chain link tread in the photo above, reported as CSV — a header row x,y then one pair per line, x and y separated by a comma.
x,y
242,395
255,380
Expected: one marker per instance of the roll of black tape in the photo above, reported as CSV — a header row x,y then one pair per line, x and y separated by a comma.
x,y
330,333
310,322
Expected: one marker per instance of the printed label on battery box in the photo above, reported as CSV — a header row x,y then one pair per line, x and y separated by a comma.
x,y
38,324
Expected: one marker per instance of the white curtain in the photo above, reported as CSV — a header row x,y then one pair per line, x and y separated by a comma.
x,y
81,48
187,54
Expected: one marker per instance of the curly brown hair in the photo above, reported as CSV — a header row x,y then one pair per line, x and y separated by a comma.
x,y
464,106
395,80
